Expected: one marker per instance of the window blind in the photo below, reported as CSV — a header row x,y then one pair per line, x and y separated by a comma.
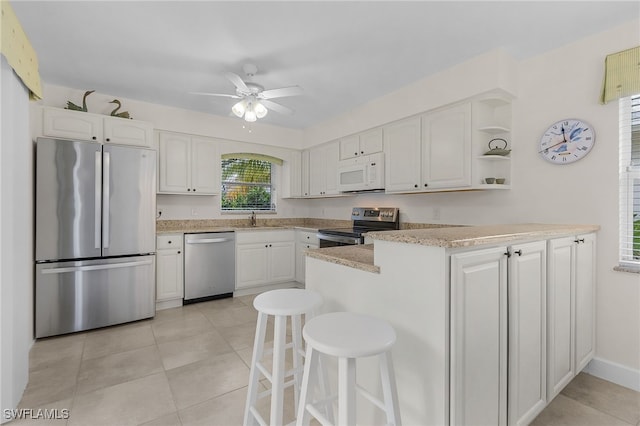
x,y
630,181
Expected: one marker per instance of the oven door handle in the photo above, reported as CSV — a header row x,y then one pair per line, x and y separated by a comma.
x,y
338,239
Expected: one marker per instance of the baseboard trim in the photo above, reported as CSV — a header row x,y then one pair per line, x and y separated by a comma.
x,y
615,373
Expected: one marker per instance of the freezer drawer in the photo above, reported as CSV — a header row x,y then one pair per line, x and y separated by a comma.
x,y
82,295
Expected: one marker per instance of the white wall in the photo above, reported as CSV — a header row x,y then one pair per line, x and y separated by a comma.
x,y
16,239
564,83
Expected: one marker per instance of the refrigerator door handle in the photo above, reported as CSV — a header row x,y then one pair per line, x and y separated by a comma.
x,y
97,199
96,267
106,192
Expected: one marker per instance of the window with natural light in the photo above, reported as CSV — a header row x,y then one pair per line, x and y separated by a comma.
x,y
247,185
630,181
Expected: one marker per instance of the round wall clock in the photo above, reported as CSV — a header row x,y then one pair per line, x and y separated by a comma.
x,y
567,141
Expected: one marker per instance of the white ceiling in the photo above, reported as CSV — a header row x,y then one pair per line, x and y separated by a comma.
x,y
342,53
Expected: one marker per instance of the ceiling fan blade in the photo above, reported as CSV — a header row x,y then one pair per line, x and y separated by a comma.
x,y
237,81
282,92
224,95
277,107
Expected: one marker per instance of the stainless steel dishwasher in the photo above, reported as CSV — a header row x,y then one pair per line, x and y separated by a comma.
x,y
209,266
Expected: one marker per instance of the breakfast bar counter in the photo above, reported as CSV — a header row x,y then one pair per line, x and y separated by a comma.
x,y
452,294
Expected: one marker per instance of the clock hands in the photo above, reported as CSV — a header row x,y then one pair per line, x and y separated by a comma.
x,y
564,138
548,148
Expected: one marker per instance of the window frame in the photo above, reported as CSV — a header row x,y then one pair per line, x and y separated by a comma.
x,y
272,187
629,174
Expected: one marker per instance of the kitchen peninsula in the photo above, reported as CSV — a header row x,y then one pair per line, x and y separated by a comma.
x,y
492,321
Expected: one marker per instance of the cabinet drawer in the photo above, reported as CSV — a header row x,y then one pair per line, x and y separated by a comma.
x,y
248,237
306,237
169,241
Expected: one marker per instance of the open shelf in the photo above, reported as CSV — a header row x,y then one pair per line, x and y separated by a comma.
x,y
494,157
494,130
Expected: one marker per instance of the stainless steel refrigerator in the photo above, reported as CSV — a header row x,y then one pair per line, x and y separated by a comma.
x,y
95,235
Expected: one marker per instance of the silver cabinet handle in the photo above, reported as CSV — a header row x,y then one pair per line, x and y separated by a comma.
x,y
208,241
105,199
96,267
97,199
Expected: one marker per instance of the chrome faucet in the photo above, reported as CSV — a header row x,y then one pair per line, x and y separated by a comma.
x,y
252,218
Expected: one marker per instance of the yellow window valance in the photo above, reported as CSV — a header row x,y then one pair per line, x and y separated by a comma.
x,y
253,156
621,75
20,55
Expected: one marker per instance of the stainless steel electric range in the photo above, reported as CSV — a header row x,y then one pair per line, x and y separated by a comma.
x,y
365,219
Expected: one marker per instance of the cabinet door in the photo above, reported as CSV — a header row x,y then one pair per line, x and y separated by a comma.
x,y
205,167
446,148
67,124
169,278
331,158
292,176
173,170
305,174
527,332
349,147
317,181
371,142
560,315
402,156
282,265
478,393
585,300
251,264
127,132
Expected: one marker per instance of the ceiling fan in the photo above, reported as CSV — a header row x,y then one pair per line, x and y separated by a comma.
x,y
255,101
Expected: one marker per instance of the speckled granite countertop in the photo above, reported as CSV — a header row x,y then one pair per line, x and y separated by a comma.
x,y
361,256
170,226
224,225
470,236
358,256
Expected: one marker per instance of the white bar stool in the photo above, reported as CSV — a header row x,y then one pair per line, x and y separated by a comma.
x,y
280,304
348,336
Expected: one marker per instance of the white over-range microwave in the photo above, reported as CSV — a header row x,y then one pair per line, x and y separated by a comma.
x,y
364,173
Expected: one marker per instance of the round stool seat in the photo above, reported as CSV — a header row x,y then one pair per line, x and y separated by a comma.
x,y
349,335
289,301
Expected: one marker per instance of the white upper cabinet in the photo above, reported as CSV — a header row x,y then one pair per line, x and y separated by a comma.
x,y
446,148
323,169
429,153
127,132
78,125
402,155
188,165
365,143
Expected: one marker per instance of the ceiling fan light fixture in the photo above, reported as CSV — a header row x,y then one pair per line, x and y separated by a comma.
x,y
260,110
250,115
239,108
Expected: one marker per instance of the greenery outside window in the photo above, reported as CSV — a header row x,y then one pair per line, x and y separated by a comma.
x,y
247,183
630,181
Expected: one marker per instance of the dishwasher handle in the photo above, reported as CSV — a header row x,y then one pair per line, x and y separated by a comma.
x,y
208,241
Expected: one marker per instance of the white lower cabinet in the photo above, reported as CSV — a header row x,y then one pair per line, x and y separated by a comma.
x,y
304,240
498,335
522,326
527,332
571,307
478,382
264,257
169,267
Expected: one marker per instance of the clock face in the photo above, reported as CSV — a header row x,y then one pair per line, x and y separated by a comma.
x,y
567,141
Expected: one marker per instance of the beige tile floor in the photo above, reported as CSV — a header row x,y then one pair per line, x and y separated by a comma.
x,y
190,366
